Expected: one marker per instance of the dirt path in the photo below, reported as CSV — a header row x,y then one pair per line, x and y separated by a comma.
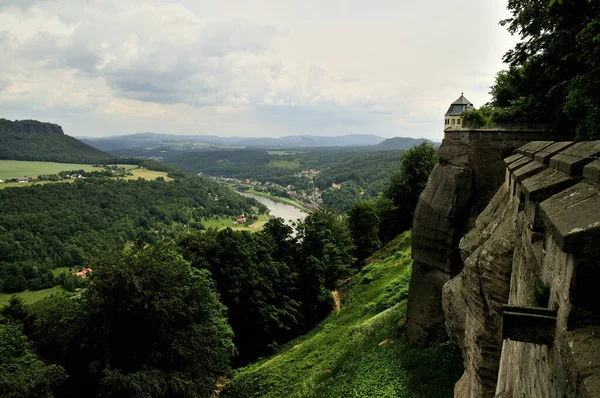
x,y
336,300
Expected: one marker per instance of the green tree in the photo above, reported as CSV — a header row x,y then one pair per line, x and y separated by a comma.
x,y
22,373
363,221
405,187
553,75
15,311
325,258
147,325
256,279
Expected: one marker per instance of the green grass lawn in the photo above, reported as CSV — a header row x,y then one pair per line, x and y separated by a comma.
x,y
30,297
18,168
57,271
359,351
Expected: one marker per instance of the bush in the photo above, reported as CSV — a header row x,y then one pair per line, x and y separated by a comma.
x,y
541,294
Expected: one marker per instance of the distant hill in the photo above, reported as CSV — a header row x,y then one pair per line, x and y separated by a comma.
x,y
192,142
39,141
400,143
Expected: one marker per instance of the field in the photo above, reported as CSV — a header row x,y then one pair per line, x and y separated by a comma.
x,y
360,350
17,168
147,174
30,297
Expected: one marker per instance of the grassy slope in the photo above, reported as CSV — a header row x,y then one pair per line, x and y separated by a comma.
x,y
30,297
360,351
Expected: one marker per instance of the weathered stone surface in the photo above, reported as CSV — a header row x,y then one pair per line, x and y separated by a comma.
x,y
480,290
521,150
437,216
527,171
447,210
426,318
435,227
545,184
545,154
572,160
542,228
573,219
534,147
585,348
519,163
513,158
591,172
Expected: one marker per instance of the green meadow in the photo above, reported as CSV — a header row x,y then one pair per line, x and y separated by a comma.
x,y
18,168
360,350
30,297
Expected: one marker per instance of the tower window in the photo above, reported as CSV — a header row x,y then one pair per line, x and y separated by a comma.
x,y
453,121
458,121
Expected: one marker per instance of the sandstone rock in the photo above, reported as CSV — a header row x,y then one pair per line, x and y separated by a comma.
x,y
436,230
473,300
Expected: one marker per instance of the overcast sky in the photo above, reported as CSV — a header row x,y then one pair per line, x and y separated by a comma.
x,y
247,67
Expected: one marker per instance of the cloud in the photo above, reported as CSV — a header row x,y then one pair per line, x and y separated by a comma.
x,y
234,68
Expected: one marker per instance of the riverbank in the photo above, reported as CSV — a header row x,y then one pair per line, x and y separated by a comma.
x,y
297,204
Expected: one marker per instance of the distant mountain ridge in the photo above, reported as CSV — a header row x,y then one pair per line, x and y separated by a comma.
x,y
401,143
143,140
40,141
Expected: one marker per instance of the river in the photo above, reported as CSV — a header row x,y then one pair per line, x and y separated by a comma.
x,y
289,213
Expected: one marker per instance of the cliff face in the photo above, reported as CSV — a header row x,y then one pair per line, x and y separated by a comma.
x,y
541,231
470,171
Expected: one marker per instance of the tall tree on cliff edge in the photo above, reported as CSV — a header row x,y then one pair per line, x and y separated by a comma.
x,y
553,76
398,203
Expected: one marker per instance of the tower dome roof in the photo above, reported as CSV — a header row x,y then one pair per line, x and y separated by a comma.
x,y
459,106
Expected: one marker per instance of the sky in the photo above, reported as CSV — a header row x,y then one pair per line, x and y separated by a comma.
x,y
265,68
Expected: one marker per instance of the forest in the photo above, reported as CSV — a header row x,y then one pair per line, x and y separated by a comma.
x,y
172,316
66,225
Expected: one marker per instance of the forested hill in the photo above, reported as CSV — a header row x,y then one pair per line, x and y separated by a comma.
x,y
67,225
399,143
39,141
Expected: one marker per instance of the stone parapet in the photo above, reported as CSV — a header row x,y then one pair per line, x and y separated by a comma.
x,y
470,170
535,245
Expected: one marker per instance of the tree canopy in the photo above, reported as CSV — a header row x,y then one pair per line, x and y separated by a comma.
x,y
66,225
553,75
148,325
274,283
